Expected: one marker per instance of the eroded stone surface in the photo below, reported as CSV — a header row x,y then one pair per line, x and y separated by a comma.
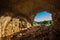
x,y
8,27
28,9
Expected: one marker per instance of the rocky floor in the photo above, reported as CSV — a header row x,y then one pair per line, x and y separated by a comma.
x,y
32,33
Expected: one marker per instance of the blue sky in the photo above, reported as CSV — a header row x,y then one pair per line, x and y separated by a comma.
x,y
41,16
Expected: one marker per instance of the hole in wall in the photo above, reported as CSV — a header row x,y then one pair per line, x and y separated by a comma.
x,y
43,18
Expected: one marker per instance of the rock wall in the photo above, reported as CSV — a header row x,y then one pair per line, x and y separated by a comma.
x,y
8,26
56,25
56,21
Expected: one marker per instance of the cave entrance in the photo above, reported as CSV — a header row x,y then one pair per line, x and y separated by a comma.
x,y
43,18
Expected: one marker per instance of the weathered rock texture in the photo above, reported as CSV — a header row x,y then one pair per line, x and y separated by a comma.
x,y
28,9
8,27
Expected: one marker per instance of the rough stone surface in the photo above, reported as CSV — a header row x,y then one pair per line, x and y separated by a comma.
x,y
8,27
28,9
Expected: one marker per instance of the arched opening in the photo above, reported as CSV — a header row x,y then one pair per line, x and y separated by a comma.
x,y
23,24
43,18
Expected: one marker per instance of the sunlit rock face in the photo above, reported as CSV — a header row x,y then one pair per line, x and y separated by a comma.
x,y
3,23
29,25
8,25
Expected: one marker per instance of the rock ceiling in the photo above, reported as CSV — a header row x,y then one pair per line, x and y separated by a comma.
x,y
29,8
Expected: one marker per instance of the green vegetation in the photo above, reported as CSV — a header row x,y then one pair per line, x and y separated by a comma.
x,y
46,23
